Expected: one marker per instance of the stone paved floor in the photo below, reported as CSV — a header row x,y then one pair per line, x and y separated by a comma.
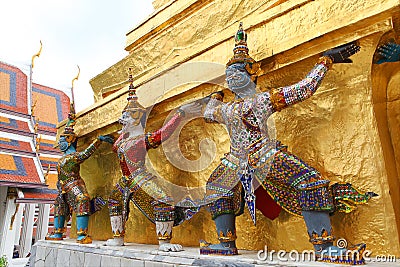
x,y
148,255
20,262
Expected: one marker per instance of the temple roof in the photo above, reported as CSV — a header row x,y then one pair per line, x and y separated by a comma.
x,y
14,126
47,147
13,145
51,107
38,195
46,162
19,171
28,119
13,93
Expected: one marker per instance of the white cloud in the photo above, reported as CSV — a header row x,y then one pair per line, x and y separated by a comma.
x,y
88,33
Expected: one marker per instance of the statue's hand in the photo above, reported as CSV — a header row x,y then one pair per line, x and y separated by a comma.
x,y
193,108
106,138
342,53
390,52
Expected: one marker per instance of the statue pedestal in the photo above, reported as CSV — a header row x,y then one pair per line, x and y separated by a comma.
x,y
69,253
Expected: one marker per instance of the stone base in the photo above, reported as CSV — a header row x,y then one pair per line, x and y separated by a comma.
x,y
68,253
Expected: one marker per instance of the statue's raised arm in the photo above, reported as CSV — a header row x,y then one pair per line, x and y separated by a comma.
x,y
295,93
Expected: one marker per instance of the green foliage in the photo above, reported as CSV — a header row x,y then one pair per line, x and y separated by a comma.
x,y
3,261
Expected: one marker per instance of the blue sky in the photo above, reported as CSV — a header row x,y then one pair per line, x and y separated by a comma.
x,y
88,33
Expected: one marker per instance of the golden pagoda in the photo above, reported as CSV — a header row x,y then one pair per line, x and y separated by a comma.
x,y
349,130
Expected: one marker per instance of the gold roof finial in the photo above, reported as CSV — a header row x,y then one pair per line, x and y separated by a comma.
x,y
38,140
37,54
47,174
72,86
33,107
35,128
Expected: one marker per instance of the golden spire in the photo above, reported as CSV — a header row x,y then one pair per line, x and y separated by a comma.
x,y
37,54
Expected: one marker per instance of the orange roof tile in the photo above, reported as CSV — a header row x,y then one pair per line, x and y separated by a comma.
x,y
15,145
52,107
18,169
38,195
13,89
13,125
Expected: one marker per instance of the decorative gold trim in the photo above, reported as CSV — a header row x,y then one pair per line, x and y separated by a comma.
x,y
48,237
327,61
82,231
165,236
316,239
60,230
277,100
86,240
119,234
204,244
229,236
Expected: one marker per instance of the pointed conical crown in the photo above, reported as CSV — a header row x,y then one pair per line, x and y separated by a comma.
x,y
133,106
241,52
69,133
69,127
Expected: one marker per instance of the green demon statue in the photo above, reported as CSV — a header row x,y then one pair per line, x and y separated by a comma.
x,y
72,193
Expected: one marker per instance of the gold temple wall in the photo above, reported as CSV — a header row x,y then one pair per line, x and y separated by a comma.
x,y
348,130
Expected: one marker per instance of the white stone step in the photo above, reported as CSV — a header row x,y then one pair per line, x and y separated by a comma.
x,y
68,253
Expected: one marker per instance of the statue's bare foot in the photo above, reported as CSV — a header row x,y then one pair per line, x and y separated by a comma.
x,y
116,241
170,247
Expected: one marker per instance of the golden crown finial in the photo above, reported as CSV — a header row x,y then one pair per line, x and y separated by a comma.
x,y
132,88
241,54
133,106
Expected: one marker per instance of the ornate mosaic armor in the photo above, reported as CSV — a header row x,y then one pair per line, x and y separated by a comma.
x,y
73,195
293,184
72,192
137,183
256,160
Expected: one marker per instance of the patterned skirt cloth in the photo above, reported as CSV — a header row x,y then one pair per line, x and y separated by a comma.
x,y
292,184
